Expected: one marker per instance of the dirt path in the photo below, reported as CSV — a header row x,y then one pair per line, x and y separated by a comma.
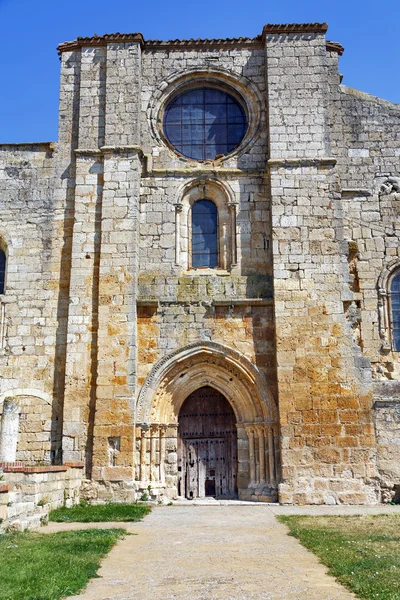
x,y
210,553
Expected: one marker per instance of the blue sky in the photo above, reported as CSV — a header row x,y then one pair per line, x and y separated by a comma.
x,y
30,30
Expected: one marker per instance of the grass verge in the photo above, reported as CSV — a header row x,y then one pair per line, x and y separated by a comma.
x,y
36,566
100,513
362,552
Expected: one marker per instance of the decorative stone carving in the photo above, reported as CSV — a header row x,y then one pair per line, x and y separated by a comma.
x,y
391,184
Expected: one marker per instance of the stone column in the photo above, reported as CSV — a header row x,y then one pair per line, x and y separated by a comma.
x,y
261,448
2,325
271,456
9,431
266,455
252,457
232,213
178,212
143,453
163,429
153,451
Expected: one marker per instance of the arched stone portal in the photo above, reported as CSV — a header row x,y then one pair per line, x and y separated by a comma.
x,y
171,381
207,446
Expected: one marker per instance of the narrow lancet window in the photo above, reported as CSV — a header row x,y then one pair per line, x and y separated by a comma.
x,y
204,234
395,303
2,271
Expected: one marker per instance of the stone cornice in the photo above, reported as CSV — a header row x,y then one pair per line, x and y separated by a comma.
x,y
288,28
334,47
100,40
200,44
203,44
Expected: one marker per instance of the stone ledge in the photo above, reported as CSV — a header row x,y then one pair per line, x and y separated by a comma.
x,y
147,302
24,469
109,150
74,465
208,170
356,192
380,403
245,302
11,465
316,161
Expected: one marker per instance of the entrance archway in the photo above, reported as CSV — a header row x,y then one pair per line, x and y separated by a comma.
x,y
169,384
207,446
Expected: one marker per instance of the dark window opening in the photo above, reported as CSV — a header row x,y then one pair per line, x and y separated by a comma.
x,y
204,123
2,271
395,302
204,234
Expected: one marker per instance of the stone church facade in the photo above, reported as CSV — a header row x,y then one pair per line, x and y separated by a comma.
x,y
200,279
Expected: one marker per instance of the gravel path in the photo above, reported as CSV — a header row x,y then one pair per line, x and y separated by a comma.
x,y
210,553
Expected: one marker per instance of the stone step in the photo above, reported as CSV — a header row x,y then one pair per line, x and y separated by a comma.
x,y
26,522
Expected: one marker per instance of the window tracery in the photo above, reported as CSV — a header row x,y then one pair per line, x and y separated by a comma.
x,y
204,123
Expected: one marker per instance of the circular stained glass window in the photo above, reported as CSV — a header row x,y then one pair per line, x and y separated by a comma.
x,y
203,123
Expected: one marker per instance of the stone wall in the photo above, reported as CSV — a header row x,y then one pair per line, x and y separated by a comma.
x,y
31,235
33,491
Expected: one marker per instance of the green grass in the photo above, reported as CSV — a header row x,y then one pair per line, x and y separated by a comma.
x,y
37,566
100,513
362,552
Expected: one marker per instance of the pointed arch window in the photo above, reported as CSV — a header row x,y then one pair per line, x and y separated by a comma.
x,y
3,261
204,234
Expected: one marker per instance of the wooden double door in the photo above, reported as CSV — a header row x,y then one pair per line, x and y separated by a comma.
x,y
207,446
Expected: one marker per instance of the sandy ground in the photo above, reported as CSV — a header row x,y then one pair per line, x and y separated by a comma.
x,y
210,552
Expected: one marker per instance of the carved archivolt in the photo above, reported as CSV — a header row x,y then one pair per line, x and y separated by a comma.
x,y
384,307
180,373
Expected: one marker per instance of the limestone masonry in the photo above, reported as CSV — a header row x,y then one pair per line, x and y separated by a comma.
x,y
202,276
